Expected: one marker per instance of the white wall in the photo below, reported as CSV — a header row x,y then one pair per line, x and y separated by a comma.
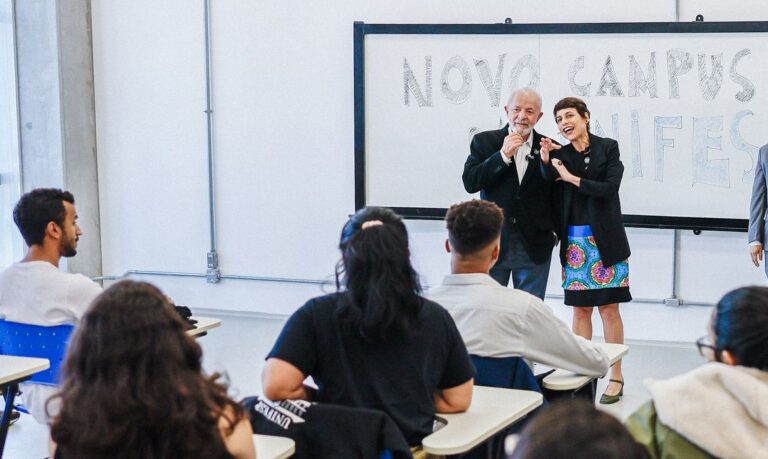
x,y
283,105
11,244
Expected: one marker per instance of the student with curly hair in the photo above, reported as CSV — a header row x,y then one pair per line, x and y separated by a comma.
x,y
133,387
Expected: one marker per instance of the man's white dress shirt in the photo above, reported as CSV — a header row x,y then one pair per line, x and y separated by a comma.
x,y
497,321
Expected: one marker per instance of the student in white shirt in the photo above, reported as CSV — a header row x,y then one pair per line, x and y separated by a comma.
x,y
34,291
497,321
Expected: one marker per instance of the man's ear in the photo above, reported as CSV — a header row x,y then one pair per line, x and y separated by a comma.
x,y
495,255
727,358
539,117
447,246
53,230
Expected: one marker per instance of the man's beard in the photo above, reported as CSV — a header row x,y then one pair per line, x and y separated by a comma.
x,y
69,248
522,129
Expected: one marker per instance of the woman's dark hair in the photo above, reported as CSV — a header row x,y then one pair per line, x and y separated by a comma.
x,y
133,386
740,324
382,288
575,429
575,103
36,209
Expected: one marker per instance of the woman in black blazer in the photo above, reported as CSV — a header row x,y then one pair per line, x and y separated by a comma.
x,y
594,247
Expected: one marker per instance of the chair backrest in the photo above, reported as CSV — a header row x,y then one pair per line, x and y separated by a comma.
x,y
504,372
328,430
37,341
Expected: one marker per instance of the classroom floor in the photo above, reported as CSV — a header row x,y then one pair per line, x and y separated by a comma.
x,y
240,344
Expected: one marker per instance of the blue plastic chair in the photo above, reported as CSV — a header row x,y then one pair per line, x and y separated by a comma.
x,y
26,340
506,373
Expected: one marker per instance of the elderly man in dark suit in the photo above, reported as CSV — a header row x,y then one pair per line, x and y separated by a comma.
x,y
758,210
504,166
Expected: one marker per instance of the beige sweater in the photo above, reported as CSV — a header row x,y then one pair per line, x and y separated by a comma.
x,y
720,408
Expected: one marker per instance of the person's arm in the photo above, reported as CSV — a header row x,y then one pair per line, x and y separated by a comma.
x,y
548,340
283,381
609,186
238,441
480,170
548,151
455,399
453,393
757,209
292,358
80,294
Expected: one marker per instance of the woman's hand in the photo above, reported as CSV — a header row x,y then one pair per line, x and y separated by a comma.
x,y
565,175
546,146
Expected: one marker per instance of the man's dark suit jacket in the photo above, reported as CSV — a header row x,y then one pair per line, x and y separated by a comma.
x,y
603,210
526,205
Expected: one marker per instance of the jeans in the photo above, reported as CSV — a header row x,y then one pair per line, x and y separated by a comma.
x,y
514,261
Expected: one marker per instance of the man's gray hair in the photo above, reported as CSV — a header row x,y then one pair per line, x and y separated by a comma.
x,y
530,92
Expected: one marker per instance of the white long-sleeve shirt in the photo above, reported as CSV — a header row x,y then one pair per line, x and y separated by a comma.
x,y
496,321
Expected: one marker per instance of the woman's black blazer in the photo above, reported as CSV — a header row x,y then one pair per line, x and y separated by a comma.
x,y
600,183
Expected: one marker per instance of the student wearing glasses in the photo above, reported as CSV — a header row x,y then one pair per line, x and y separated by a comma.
x,y
718,409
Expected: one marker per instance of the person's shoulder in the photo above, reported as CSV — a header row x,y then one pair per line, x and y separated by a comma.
x,y
490,135
81,286
6,273
431,310
524,301
597,141
537,136
321,305
80,280
530,307
763,152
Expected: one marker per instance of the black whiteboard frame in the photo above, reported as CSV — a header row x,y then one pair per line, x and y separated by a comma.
x,y
361,29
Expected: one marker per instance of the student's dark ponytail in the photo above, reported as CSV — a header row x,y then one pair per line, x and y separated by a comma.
x,y
740,324
382,288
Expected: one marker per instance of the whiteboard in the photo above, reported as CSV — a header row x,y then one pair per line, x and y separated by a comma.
x,y
685,101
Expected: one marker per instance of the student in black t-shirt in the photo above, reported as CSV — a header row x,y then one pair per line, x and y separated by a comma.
x,y
375,343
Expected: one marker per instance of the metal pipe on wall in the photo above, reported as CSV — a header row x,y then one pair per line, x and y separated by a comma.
x,y
213,274
204,275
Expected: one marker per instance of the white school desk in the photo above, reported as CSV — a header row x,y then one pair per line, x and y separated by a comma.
x,y
491,411
203,325
273,447
563,380
14,370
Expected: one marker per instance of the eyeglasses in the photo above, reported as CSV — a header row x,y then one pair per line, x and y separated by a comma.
x,y
707,350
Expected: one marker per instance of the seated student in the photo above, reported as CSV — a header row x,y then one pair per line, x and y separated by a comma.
x,y
376,343
133,387
34,291
718,409
496,321
575,429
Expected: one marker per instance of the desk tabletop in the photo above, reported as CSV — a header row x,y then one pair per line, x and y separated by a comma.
x,y
568,380
492,410
273,447
204,324
13,368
